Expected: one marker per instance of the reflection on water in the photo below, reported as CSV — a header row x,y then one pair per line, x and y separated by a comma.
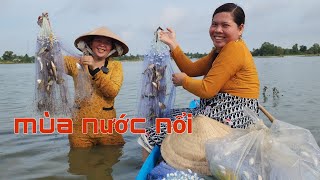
x,y
94,163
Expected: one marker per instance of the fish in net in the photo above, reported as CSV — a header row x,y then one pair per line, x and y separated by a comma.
x,y
51,87
157,95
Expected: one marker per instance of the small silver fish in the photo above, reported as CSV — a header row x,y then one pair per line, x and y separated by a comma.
x,y
50,82
305,154
158,76
40,84
48,89
54,71
158,85
41,51
161,105
251,161
60,81
150,67
155,85
40,63
246,174
78,66
40,105
221,167
162,69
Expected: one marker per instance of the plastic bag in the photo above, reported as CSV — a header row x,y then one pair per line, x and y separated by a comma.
x,y
283,151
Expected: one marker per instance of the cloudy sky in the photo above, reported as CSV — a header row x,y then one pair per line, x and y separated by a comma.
x,y
281,22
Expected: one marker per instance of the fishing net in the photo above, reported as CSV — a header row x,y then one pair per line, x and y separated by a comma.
x,y
283,151
84,87
51,87
157,94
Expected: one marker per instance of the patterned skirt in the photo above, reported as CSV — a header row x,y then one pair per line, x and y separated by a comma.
x,y
224,107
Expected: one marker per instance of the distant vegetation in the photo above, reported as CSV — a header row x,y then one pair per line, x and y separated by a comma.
x,y
266,49
130,58
9,57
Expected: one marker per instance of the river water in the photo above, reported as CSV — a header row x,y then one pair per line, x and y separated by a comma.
x,y
291,94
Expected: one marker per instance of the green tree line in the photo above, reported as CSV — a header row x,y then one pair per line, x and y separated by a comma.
x,y
266,49
9,57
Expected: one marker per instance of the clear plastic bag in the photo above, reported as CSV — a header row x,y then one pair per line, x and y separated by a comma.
x,y
283,151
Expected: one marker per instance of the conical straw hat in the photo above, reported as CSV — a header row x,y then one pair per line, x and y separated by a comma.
x,y
187,151
105,32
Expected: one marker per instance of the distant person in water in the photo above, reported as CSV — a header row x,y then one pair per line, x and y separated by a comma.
x,y
230,79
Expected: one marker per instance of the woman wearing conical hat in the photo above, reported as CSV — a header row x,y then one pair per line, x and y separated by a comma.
x,y
105,77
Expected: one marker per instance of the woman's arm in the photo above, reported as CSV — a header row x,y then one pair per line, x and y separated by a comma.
x,y
192,69
70,65
229,61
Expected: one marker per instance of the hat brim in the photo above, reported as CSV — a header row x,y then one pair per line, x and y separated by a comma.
x,y
187,151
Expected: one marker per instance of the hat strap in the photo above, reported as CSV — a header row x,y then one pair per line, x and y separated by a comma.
x,y
119,49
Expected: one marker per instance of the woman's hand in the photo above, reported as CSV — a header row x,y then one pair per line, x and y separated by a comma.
x,y
169,38
178,78
88,60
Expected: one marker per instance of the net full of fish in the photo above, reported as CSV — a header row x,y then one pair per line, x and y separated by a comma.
x,y
51,90
157,93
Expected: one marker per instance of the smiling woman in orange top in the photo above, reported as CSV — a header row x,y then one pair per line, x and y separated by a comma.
x,y
230,79
105,77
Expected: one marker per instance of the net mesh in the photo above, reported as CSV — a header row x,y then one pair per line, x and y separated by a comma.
x,y
157,93
51,87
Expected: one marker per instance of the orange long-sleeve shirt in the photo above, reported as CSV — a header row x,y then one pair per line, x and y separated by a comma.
x,y
233,71
105,88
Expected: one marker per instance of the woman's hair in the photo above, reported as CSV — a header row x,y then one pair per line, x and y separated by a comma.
x,y
235,10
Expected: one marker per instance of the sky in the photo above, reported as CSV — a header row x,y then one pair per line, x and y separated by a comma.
x,y
280,22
